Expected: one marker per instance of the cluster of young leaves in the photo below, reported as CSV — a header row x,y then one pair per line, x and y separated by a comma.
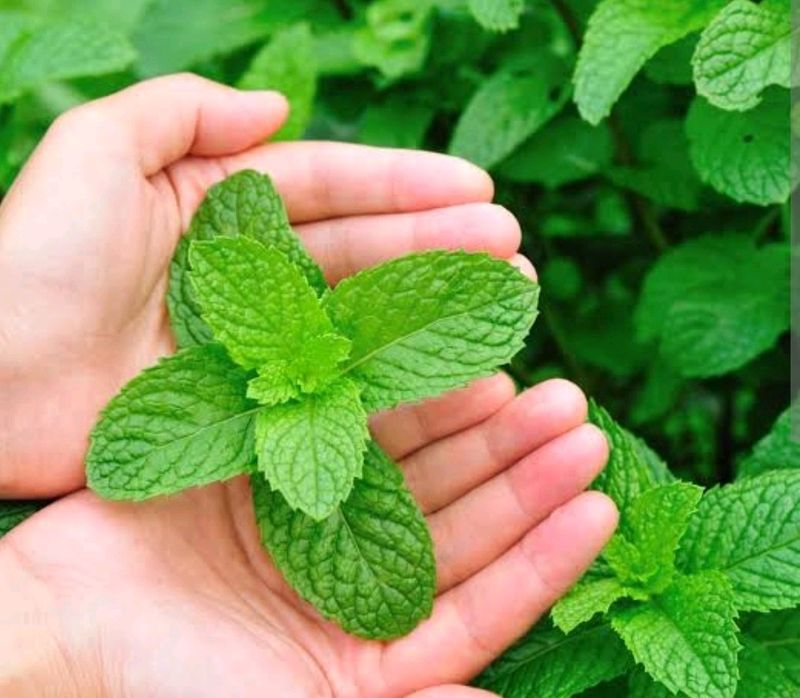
x,y
665,604
275,376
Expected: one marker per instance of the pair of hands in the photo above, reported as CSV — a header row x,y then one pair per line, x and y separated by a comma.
x,y
175,597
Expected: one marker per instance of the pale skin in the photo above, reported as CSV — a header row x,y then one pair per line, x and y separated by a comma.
x,y
175,597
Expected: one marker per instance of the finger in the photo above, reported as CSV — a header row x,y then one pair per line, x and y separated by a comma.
x,y
482,525
342,246
451,467
475,621
159,121
333,180
407,428
452,691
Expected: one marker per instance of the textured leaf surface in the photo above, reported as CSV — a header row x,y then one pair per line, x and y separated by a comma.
x,y
629,470
621,36
642,552
686,637
713,318
566,150
287,64
182,423
779,634
778,450
508,108
13,513
745,48
259,305
585,600
751,531
762,674
59,51
369,566
313,448
244,204
497,15
548,664
744,155
427,323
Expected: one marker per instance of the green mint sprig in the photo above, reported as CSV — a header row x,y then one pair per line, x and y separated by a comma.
x,y
276,376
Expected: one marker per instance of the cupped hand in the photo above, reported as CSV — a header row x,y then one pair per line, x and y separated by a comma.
x,y
175,597
88,230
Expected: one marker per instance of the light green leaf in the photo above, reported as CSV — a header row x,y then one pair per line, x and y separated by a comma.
x,y
15,27
630,468
396,37
287,64
778,450
509,107
546,663
642,552
621,36
369,566
751,531
686,637
13,513
176,34
762,674
312,449
665,173
259,305
497,15
585,600
397,122
184,422
779,634
744,155
713,318
745,48
430,322
60,51
564,151
245,203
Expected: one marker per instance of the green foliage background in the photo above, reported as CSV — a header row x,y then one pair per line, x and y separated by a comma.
x,y
643,145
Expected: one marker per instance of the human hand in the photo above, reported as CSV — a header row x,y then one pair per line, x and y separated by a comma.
x,y
89,228
175,596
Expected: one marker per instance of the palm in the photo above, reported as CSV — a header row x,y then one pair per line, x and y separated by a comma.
x,y
184,601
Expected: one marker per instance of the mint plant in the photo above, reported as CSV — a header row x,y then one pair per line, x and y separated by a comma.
x,y
275,378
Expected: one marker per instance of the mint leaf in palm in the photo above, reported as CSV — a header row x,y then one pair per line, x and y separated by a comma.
x,y
277,378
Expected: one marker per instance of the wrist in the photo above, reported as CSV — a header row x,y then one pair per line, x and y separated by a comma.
x,y
32,659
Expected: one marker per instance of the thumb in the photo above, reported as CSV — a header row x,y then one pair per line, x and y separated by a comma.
x,y
160,121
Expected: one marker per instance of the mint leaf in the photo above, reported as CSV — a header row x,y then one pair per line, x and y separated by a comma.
x,y
13,513
369,566
430,322
745,48
509,107
686,637
313,448
60,51
184,422
744,156
564,151
779,634
287,64
778,450
397,122
642,552
546,662
497,15
621,36
585,600
245,204
751,531
762,674
641,685
711,319
630,468
259,305
396,37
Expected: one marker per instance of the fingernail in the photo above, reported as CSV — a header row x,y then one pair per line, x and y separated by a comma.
x,y
522,263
